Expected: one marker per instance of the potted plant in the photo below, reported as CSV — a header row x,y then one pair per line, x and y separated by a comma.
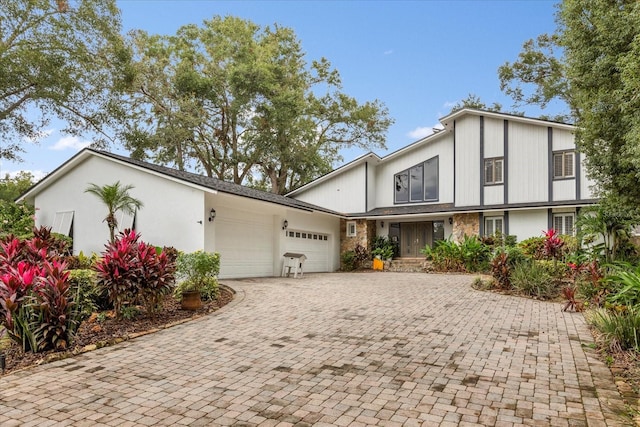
x,y
197,277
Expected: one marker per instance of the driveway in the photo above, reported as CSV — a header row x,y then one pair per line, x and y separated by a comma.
x,y
343,349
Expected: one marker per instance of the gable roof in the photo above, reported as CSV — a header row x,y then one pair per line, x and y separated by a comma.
x,y
201,182
447,123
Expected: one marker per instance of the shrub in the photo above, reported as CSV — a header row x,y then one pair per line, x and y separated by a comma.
x,y
383,247
35,306
445,256
619,329
198,271
625,282
532,278
131,272
348,259
87,296
533,247
475,254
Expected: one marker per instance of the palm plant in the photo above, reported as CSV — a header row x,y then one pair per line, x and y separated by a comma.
x,y
117,198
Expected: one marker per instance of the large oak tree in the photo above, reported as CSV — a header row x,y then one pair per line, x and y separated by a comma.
x,y
240,103
57,59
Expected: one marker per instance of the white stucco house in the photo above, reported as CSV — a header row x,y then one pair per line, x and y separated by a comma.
x,y
482,172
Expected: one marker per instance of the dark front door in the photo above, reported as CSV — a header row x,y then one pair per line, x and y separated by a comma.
x,y
414,236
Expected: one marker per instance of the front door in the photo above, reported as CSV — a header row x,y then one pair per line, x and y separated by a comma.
x,y
414,236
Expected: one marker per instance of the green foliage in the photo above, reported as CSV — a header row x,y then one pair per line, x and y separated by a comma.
x,y
79,61
533,278
625,283
348,259
81,261
198,271
471,255
502,264
87,296
12,188
240,102
473,101
129,312
383,248
604,230
533,247
16,219
116,198
619,329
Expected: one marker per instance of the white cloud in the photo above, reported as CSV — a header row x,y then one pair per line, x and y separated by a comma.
x,y
40,136
37,174
72,142
424,131
388,52
450,104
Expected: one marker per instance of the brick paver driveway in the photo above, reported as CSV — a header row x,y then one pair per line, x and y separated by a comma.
x,y
387,349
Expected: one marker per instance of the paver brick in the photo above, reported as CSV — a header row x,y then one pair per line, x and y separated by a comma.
x,y
354,349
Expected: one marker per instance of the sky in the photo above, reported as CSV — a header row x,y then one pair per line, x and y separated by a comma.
x,y
419,58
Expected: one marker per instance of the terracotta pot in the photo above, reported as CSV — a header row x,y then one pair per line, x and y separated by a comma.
x,y
191,300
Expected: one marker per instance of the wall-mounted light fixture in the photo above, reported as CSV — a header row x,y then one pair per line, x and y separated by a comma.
x,y
212,215
285,224
381,224
450,220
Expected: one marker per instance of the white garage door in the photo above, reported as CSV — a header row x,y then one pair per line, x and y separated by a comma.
x,y
245,243
312,244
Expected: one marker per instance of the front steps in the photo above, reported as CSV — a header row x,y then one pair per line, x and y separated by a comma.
x,y
408,265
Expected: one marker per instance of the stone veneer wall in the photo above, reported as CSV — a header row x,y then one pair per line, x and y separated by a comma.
x,y
365,232
465,224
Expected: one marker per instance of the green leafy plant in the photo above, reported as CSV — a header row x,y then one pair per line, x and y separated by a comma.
x,y
87,296
625,281
383,248
533,279
116,198
198,271
533,247
348,259
619,328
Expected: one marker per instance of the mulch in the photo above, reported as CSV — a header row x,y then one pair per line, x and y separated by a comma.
x,y
102,330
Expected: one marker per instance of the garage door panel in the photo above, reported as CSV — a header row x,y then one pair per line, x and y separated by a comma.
x,y
245,244
316,250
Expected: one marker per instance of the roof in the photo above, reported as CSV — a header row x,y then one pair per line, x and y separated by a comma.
x,y
203,182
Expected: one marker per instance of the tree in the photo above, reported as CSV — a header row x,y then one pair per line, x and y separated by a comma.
x,y
12,188
240,103
592,63
116,198
58,61
474,101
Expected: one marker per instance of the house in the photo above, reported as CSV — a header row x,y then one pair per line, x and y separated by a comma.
x,y
482,172
251,229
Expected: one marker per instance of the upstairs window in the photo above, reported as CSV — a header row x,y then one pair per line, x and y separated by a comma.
x,y
493,171
563,165
418,183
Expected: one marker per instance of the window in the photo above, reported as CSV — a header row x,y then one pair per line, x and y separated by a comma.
x,y
563,165
125,221
351,229
493,224
563,223
493,171
62,223
417,184
308,236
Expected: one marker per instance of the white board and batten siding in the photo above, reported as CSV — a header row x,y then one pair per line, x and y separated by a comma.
x,y
528,223
467,167
344,192
528,163
440,145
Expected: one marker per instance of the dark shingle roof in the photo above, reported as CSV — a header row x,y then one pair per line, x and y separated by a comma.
x,y
218,185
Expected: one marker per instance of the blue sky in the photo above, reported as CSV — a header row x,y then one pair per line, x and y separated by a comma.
x,y
418,57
